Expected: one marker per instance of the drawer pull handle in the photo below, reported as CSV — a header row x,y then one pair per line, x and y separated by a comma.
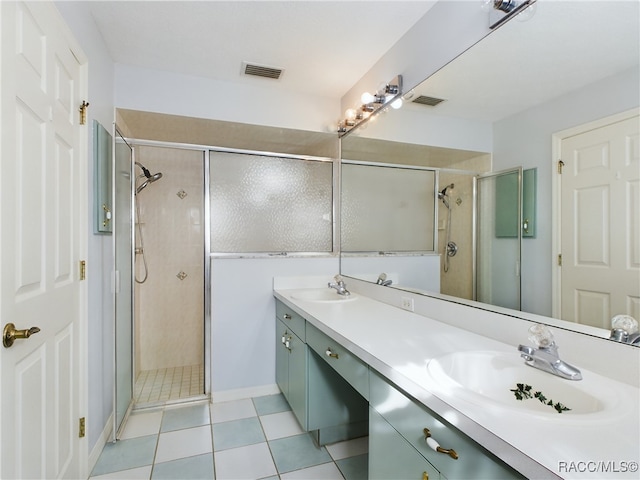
x,y
287,316
433,445
330,353
425,476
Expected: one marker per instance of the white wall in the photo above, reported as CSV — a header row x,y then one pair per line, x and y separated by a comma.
x,y
243,317
100,250
525,139
413,271
448,29
410,124
165,92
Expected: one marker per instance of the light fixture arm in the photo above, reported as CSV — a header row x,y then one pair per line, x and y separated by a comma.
x,y
386,95
503,10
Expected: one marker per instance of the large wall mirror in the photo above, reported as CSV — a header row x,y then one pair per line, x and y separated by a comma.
x,y
508,104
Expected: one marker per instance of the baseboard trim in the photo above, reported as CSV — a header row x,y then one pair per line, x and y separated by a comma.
x,y
242,393
102,441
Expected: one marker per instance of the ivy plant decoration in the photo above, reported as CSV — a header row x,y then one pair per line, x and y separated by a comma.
x,y
523,392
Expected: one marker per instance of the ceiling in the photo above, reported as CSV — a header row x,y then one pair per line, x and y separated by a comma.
x,y
564,46
324,47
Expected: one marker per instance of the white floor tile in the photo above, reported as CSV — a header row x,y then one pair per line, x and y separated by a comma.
x,y
184,443
326,471
141,424
132,474
253,461
235,410
349,448
279,425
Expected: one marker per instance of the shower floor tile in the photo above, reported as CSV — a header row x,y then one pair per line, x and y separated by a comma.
x,y
166,384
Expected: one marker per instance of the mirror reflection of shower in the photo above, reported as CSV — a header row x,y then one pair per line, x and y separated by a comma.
x,y
142,181
450,248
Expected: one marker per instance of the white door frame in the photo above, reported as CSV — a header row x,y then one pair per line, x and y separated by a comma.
x,y
556,185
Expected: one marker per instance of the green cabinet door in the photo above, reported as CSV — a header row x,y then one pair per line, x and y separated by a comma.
x,y
298,379
391,457
282,358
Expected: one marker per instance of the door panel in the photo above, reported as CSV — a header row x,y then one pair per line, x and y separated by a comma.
x,y
600,232
42,235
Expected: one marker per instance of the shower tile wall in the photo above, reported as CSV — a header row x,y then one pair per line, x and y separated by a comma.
x,y
458,281
169,305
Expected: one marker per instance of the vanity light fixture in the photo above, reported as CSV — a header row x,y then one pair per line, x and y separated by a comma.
x,y
387,94
501,11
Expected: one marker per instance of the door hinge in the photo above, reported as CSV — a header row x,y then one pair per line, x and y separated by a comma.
x,y
83,112
560,165
81,427
560,260
83,269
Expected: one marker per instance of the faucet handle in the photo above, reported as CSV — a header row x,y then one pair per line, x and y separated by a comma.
x,y
624,322
541,336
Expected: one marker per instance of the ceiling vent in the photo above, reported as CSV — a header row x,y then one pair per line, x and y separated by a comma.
x,y
261,70
428,101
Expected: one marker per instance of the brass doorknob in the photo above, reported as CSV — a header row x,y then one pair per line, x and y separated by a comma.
x,y
10,334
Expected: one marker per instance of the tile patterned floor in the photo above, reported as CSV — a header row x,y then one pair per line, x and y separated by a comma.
x,y
256,438
168,384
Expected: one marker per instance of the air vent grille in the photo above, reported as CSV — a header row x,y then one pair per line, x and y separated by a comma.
x,y
429,101
261,71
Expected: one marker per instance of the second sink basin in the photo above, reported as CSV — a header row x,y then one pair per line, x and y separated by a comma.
x,y
479,375
322,295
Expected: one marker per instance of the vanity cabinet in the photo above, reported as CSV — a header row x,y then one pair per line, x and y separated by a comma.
x,y
410,419
322,400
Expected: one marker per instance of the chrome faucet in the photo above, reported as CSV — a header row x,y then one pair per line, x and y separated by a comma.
x,y
546,357
382,280
624,329
340,286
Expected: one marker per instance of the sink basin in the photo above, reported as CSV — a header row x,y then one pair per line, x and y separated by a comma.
x,y
488,375
322,295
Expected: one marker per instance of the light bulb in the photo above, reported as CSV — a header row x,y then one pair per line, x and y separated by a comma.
x,y
397,103
367,98
487,5
527,13
350,114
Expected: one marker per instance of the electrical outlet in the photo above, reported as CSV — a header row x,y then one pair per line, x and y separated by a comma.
x,y
407,303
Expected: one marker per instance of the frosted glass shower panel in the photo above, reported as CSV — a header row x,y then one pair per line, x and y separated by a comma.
x,y
387,209
266,204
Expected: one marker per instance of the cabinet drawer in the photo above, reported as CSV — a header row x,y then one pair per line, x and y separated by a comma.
x,y
294,321
350,367
391,457
410,419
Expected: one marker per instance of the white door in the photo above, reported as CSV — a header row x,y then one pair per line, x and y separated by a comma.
x,y
42,238
600,185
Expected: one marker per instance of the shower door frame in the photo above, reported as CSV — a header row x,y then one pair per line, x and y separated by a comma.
x,y
205,254
118,424
477,226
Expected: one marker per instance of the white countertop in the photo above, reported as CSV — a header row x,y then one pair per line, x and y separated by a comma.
x,y
399,344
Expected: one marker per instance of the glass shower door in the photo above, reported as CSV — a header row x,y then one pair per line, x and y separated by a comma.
x,y
123,253
499,238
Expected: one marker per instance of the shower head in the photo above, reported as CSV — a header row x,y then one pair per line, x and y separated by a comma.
x,y
443,193
150,179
